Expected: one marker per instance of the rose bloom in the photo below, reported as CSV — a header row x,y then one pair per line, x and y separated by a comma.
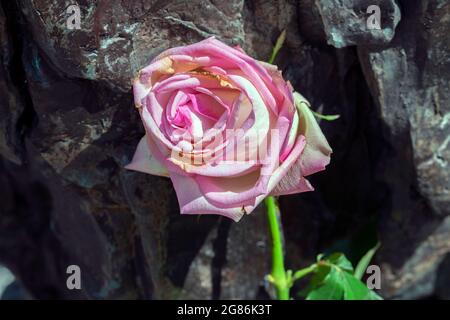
x,y
226,128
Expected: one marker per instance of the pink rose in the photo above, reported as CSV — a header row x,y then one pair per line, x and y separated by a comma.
x,y
226,128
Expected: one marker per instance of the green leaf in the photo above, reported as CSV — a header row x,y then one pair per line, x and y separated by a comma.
x,y
320,275
334,280
320,272
327,117
330,289
341,285
338,259
373,296
354,289
364,262
278,45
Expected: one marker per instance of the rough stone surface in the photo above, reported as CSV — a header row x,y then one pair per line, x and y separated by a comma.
x,y
117,39
11,102
67,128
349,22
409,82
218,269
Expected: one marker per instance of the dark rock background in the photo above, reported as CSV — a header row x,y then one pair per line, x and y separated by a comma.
x,y
68,126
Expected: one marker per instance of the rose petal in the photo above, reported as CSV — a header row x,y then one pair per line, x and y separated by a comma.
x,y
192,200
227,192
317,151
315,156
144,161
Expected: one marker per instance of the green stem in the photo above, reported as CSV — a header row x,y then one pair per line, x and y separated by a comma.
x,y
278,275
304,272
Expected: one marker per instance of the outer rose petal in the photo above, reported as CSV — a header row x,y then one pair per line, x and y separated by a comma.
x,y
291,184
192,200
144,161
290,178
314,158
317,151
